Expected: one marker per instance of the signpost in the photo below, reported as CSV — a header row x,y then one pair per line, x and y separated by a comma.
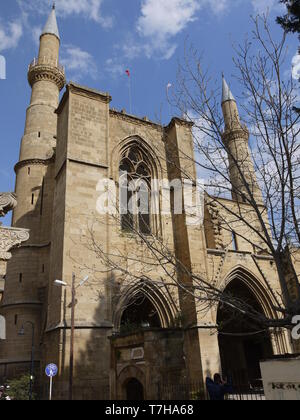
x,y
51,371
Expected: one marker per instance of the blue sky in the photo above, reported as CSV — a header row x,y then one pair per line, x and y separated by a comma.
x,y
100,39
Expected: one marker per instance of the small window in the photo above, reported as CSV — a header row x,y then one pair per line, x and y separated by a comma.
x,y
29,170
20,278
32,199
42,197
16,319
234,242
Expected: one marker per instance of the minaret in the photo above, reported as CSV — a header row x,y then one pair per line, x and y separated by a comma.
x,y
27,277
236,140
47,78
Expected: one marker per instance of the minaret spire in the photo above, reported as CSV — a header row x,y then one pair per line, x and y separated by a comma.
x,y
51,26
226,92
229,107
236,138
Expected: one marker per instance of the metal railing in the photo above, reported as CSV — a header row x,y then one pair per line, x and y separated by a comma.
x,y
184,391
181,392
46,61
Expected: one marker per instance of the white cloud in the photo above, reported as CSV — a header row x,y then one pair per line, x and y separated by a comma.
x,y
166,18
160,21
263,6
115,68
36,33
79,64
158,24
89,9
10,35
296,66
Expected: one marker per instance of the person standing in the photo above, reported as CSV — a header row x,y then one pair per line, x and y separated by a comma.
x,y
218,388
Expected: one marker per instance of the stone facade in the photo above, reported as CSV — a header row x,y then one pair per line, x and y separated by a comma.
x,y
2,281
149,356
67,148
9,238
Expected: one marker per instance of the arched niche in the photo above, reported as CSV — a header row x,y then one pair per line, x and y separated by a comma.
x,y
243,341
145,298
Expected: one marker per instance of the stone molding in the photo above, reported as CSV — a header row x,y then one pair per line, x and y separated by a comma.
x,y
8,202
179,121
20,304
31,162
236,134
89,93
134,120
40,72
11,238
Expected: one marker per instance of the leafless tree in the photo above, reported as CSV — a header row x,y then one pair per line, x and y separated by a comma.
x,y
268,98
267,108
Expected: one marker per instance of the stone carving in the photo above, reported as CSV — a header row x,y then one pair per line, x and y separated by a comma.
x,y
8,202
237,134
43,71
11,238
214,212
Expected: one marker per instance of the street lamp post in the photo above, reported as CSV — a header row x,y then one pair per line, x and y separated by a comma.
x,y
22,333
73,304
72,338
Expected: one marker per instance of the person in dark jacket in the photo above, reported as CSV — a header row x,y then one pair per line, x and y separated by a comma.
x,y
218,388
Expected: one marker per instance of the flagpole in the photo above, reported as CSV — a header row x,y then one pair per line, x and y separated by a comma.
x,y
130,95
168,88
130,91
169,103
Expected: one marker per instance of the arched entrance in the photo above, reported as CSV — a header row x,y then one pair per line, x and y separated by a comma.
x,y
134,390
243,342
131,384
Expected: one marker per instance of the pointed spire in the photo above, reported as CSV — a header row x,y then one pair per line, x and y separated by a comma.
x,y
51,25
227,95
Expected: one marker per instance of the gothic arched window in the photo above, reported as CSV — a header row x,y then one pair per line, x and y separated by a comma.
x,y
140,313
135,192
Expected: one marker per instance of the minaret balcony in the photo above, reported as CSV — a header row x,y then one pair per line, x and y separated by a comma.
x,y
46,69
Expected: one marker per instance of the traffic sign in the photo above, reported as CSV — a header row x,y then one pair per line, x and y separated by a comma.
x,y
51,370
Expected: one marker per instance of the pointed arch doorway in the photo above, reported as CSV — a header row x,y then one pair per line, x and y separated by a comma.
x,y
131,384
243,343
134,390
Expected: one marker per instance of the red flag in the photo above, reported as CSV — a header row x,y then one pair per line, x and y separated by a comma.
x,y
128,73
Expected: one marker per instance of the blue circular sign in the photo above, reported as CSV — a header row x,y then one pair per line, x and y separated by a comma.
x,y
51,370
